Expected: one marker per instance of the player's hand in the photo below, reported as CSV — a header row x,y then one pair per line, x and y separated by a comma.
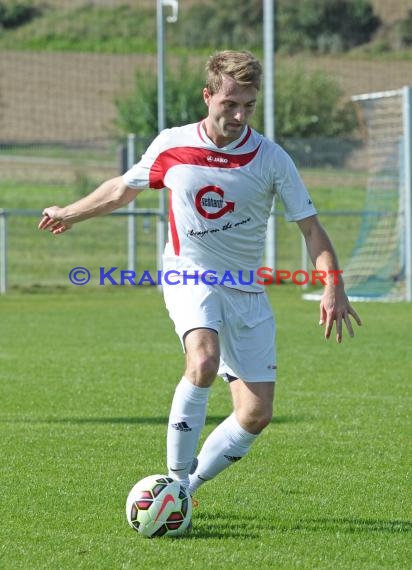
x,y
53,220
335,307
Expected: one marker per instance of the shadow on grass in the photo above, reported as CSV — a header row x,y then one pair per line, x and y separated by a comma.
x,y
146,420
351,525
222,526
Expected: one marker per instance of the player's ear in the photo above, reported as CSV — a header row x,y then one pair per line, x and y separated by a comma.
x,y
206,96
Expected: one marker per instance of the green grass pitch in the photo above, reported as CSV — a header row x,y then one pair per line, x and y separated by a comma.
x,y
86,379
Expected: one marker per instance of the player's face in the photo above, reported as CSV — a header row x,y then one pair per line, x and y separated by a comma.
x,y
229,110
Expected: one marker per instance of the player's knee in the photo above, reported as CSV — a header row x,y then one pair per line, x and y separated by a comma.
x,y
256,421
202,368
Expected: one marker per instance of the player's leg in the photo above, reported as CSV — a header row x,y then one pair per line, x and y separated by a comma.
x,y
232,439
247,342
188,410
195,311
253,404
202,356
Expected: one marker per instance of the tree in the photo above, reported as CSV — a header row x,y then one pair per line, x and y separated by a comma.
x,y
215,24
325,25
405,30
310,105
137,112
15,13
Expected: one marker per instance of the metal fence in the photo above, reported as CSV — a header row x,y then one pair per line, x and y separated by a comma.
x,y
32,260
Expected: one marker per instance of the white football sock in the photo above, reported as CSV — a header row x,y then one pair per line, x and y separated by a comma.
x,y
186,420
227,443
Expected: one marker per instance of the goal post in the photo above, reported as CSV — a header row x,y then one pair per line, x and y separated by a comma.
x,y
407,126
380,265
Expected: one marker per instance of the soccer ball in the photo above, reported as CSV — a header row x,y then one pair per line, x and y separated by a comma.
x,y
159,506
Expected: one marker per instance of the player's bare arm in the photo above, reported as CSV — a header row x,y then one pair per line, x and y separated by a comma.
x,y
109,196
334,305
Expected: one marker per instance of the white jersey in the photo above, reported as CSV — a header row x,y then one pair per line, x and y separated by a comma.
x,y
219,198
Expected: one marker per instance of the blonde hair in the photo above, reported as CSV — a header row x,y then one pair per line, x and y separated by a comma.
x,y
241,66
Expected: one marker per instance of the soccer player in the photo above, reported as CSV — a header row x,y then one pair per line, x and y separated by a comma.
x,y
222,178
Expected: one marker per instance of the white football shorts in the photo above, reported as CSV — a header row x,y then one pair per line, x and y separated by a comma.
x,y
244,322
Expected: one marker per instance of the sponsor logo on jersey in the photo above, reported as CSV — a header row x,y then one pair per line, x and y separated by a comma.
x,y
210,203
217,159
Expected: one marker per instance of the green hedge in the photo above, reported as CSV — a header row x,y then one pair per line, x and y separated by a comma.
x,y
307,104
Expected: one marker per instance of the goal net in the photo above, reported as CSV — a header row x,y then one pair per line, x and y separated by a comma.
x,y
378,268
